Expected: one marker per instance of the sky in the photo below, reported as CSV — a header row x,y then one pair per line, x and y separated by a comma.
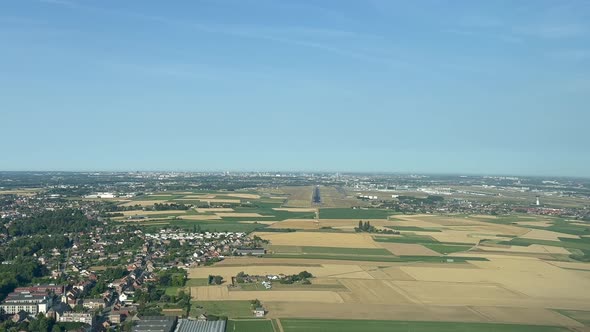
x,y
461,87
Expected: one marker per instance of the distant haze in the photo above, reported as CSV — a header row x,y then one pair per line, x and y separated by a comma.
x,y
484,87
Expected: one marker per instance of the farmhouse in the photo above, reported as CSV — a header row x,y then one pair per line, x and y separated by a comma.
x,y
250,251
259,312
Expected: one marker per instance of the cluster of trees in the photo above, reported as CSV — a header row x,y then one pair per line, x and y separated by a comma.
x,y
19,272
52,222
430,199
174,277
240,277
303,276
215,280
365,227
40,324
27,246
171,206
105,278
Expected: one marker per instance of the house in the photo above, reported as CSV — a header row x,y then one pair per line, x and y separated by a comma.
x,y
259,312
92,304
123,297
115,317
21,316
76,317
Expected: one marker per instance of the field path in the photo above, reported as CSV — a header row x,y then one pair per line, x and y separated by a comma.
x,y
279,325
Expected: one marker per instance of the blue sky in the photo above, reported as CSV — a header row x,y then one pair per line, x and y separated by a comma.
x,y
486,87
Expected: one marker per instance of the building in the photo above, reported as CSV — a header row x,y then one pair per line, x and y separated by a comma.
x,y
76,317
185,325
155,324
25,301
251,251
259,312
45,289
93,304
115,317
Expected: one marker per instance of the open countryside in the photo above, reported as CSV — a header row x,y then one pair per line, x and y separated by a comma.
x,y
475,269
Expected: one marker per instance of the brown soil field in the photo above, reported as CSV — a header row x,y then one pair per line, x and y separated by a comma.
x,y
408,249
143,203
342,240
246,196
205,210
541,234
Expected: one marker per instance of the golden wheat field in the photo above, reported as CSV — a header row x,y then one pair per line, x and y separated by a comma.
x,y
520,284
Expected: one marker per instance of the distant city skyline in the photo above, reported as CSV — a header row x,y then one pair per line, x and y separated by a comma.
x,y
425,87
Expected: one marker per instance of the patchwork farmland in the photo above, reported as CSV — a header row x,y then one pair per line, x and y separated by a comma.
x,y
452,272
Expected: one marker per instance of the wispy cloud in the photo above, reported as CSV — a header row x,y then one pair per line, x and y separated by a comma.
x,y
571,54
293,36
552,30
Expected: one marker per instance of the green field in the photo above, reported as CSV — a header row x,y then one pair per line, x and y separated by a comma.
x,y
197,282
583,243
231,309
172,291
447,248
260,325
581,316
329,325
346,213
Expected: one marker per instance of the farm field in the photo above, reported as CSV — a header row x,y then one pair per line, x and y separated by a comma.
x,y
290,325
437,272
250,325
456,272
